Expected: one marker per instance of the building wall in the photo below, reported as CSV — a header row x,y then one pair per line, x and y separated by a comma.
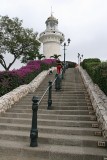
x,y
51,48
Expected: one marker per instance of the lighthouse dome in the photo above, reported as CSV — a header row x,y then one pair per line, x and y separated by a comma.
x,y
51,18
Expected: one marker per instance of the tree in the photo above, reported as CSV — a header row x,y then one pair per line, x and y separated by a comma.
x,y
55,56
16,40
40,56
30,56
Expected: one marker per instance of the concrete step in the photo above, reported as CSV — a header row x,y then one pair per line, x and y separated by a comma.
x,y
57,139
64,123
52,129
61,95
42,106
62,112
68,103
50,152
62,103
59,105
63,99
10,157
56,99
52,116
63,91
67,107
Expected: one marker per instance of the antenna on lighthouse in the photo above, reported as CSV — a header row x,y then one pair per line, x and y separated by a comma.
x,y
51,12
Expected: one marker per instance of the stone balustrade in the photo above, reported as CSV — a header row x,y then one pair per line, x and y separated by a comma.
x,y
98,99
7,100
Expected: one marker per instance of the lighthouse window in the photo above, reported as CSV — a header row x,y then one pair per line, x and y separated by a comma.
x,y
51,24
53,31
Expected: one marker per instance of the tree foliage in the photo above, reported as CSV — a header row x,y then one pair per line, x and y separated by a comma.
x,y
17,41
55,56
40,56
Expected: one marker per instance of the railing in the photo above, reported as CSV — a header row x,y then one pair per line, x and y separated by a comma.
x,y
36,103
49,88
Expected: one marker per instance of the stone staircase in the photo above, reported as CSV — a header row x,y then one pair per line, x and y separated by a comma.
x,y
69,131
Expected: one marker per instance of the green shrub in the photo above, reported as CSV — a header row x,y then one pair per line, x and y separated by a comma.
x,y
100,76
89,60
97,71
90,67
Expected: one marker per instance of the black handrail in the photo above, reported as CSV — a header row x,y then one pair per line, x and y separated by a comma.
x,y
34,130
46,91
36,102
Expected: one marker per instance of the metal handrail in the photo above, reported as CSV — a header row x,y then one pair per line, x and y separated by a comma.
x,y
46,91
36,102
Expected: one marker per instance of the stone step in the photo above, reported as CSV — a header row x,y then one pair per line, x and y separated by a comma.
x,y
64,92
53,129
59,103
67,107
68,103
42,106
68,85
67,123
62,99
63,112
56,99
50,152
10,157
46,138
52,116
62,123
61,95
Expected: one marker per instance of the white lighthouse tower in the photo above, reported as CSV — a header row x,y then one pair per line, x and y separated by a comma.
x,y
51,37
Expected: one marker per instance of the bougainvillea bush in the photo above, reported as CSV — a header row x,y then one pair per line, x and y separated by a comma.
x,y
9,80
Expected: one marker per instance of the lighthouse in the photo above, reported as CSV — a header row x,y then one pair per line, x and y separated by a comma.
x,y
51,37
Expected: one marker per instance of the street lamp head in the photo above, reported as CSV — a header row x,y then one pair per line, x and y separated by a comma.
x,y
61,41
68,40
64,44
78,55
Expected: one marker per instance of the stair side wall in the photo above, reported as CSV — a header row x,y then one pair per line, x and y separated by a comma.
x,y
98,99
7,100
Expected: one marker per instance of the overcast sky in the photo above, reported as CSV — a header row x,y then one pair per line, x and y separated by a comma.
x,y
83,21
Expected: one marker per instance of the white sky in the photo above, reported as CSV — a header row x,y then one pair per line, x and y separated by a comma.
x,y
83,21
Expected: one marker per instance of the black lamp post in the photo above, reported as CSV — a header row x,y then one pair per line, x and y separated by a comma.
x,y
64,45
79,58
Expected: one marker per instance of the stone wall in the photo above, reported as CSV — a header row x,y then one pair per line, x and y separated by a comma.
x,y
7,100
98,99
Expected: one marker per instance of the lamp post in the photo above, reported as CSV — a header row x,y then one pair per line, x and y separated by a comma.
x,y
79,58
64,45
